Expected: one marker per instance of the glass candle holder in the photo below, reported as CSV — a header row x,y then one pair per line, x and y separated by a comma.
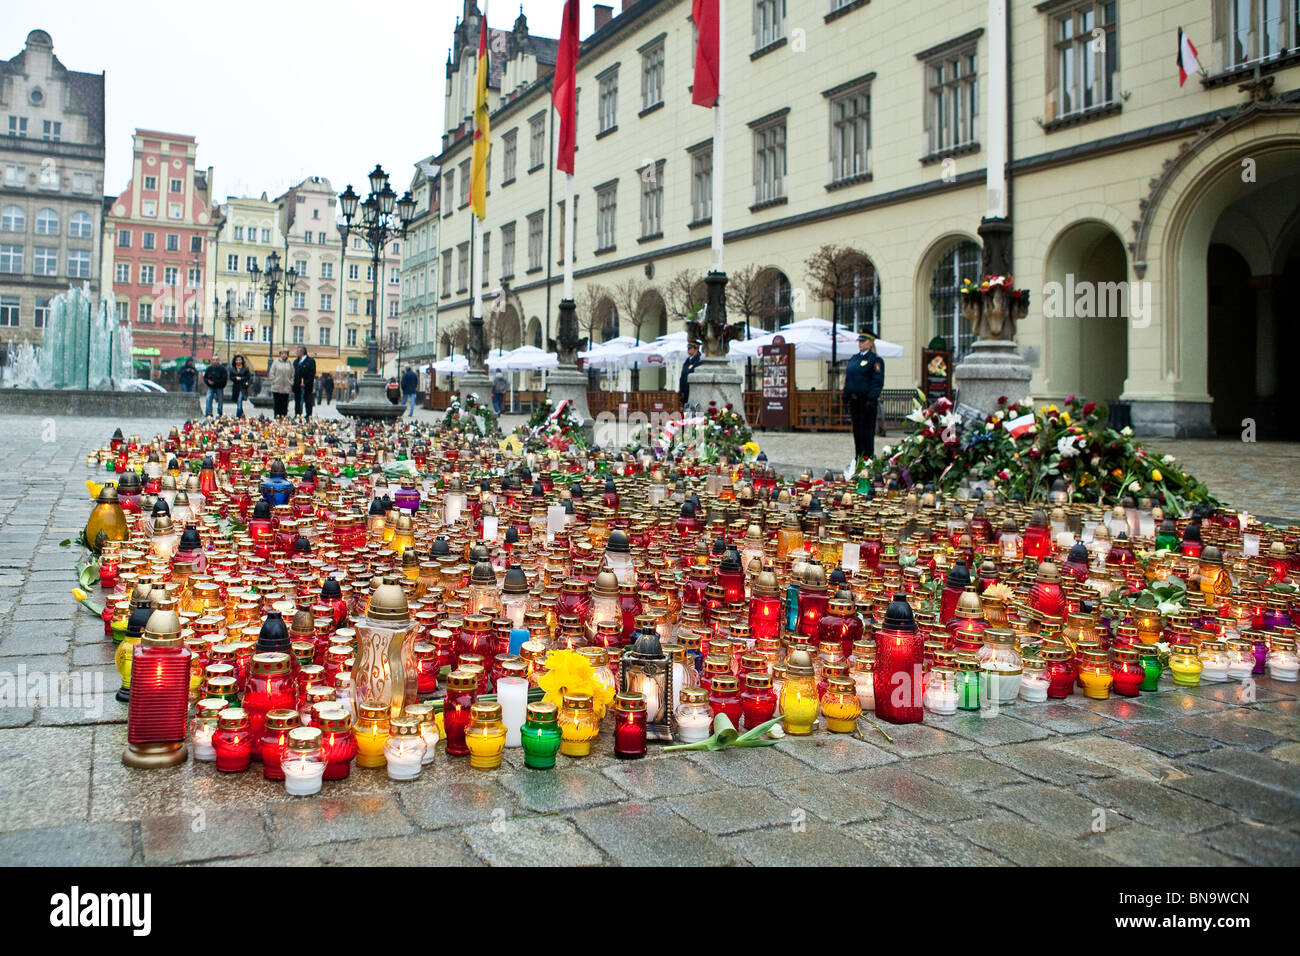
x,y
1185,664
724,697
233,742
371,733
1127,670
207,715
840,705
1000,667
757,700
269,687
541,736
338,745
799,703
578,725
1282,662
629,726
1214,661
485,736
968,680
404,749
1151,668
694,716
1061,671
1033,680
428,721
303,763
1241,658
898,673
1095,674
512,692
941,691
462,691
275,739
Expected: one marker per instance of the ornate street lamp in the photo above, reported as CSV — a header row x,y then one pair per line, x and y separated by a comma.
x,y
379,219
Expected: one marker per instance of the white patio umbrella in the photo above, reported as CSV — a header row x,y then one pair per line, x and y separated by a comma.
x,y
452,365
526,358
883,348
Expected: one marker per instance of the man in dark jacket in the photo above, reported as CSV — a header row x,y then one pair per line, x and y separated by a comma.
x,y
327,386
693,360
863,380
410,389
304,382
214,377
189,375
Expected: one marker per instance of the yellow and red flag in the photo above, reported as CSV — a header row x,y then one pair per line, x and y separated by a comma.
x,y
478,175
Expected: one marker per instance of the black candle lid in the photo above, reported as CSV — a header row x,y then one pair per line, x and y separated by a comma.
x,y
898,616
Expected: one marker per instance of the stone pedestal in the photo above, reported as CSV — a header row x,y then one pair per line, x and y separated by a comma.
x,y
993,368
372,400
476,382
566,382
717,380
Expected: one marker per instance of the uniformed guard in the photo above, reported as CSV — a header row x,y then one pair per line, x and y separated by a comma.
x,y
863,381
693,360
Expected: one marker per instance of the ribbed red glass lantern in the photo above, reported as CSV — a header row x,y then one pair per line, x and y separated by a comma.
x,y
270,687
275,741
338,745
897,680
160,695
813,599
765,607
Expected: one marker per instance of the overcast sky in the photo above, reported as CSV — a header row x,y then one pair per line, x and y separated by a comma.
x,y
274,91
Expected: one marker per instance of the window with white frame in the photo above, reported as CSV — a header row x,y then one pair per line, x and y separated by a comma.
x,y
769,22
394,275
194,277
151,183
45,261
608,100
232,262
323,335
266,235
173,242
169,314
174,186
144,312
122,273
51,130
1251,30
652,75
83,184
352,338
18,126
300,267
1085,48
239,234
9,310
47,222
266,333
79,225
300,300
149,208
120,311
299,335
392,308
850,122
510,155
249,333
173,210
462,267
147,240
327,270
48,177
652,199
606,215
953,98
307,234
171,275
465,182
354,305
13,219
535,245
146,274
769,160
508,251
354,271
79,263
536,143
16,177
446,272
326,302
370,273
487,258
41,312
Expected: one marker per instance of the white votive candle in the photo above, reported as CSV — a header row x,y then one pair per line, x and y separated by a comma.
x,y
1033,688
512,694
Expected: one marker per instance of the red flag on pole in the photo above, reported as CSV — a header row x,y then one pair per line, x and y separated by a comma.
x,y
705,90
564,90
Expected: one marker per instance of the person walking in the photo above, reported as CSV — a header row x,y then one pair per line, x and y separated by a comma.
x,y
410,389
304,382
189,375
279,379
327,388
241,381
499,388
214,377
693,360
863,381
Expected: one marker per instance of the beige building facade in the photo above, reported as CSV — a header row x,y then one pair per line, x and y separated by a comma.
x,y
51,193
1156,226
249,230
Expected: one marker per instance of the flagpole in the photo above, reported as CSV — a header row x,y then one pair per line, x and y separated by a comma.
x,y
568,235
719,161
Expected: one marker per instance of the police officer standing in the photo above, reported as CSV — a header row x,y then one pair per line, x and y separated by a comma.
x,y
863,381
693,360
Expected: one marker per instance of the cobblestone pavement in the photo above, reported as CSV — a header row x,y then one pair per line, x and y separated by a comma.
x,y
1180,777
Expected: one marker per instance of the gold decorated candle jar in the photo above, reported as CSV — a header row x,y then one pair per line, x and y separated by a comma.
x,y
485,736
840,705
1095,674
1185,664
578,725
371,731
1149,625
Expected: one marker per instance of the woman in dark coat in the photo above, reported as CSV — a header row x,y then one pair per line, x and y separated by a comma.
x,y
241,382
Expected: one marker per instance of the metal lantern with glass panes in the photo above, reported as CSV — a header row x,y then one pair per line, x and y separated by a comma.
x,y
646,670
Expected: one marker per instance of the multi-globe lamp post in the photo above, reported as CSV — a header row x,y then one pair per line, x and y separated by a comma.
x,y
379,220
278,281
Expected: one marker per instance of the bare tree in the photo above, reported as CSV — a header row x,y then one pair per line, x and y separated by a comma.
x,y
588,309
681,294
627,299
748,292
833,274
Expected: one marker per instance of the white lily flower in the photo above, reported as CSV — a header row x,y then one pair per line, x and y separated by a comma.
x,y
916,415
949,420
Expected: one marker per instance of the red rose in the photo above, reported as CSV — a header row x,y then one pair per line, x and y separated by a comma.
x,y
1089,408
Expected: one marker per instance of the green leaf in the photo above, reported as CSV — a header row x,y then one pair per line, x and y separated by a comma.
x,y
65,542
88,571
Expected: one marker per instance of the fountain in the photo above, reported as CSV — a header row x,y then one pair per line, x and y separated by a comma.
x,y
80,366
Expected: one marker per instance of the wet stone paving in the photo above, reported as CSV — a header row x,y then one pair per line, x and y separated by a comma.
x,y
1206,775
